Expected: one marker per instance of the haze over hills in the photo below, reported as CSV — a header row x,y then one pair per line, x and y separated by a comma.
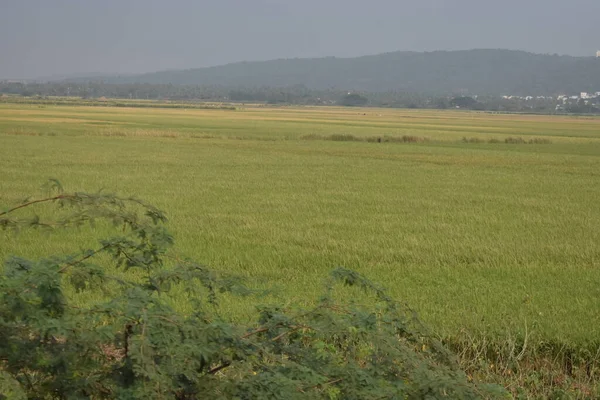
x,y
485,71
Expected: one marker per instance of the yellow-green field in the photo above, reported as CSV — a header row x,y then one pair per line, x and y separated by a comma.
x,y
483,239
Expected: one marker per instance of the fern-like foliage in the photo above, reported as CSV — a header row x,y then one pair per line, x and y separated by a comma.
x,y
134,344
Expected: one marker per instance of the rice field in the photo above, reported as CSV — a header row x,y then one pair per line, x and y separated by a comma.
x,y
487,225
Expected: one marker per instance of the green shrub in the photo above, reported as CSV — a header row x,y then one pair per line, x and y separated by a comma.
x,y
472,140
311,136
133,344
514,140
520,140
405,139
343,137
540,141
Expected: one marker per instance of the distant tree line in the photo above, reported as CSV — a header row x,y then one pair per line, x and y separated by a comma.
x,y
293,95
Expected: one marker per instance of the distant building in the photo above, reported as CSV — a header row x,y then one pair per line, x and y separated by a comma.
x,y
598,54
584,95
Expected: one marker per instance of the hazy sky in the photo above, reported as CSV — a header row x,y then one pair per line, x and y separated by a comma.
x,y
55,37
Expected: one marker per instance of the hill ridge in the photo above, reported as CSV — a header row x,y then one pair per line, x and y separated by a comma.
x,y
477,71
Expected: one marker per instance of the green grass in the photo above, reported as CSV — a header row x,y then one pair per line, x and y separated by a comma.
x,y
493,239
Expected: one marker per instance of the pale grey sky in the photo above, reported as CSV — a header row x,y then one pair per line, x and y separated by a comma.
x,y
57,37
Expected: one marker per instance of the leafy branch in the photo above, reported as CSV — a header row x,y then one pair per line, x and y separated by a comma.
x,y
132,342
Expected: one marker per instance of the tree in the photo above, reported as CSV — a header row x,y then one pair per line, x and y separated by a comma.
x,y
463,102
354,100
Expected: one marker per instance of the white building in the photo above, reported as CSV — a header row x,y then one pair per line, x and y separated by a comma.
x,y
598,54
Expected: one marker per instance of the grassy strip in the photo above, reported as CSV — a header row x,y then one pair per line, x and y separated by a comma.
x,y
101,102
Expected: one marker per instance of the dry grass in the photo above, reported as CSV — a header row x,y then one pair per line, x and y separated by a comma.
x,y
302,123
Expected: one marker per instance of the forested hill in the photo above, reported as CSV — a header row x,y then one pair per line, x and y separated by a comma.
x,y
494,72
